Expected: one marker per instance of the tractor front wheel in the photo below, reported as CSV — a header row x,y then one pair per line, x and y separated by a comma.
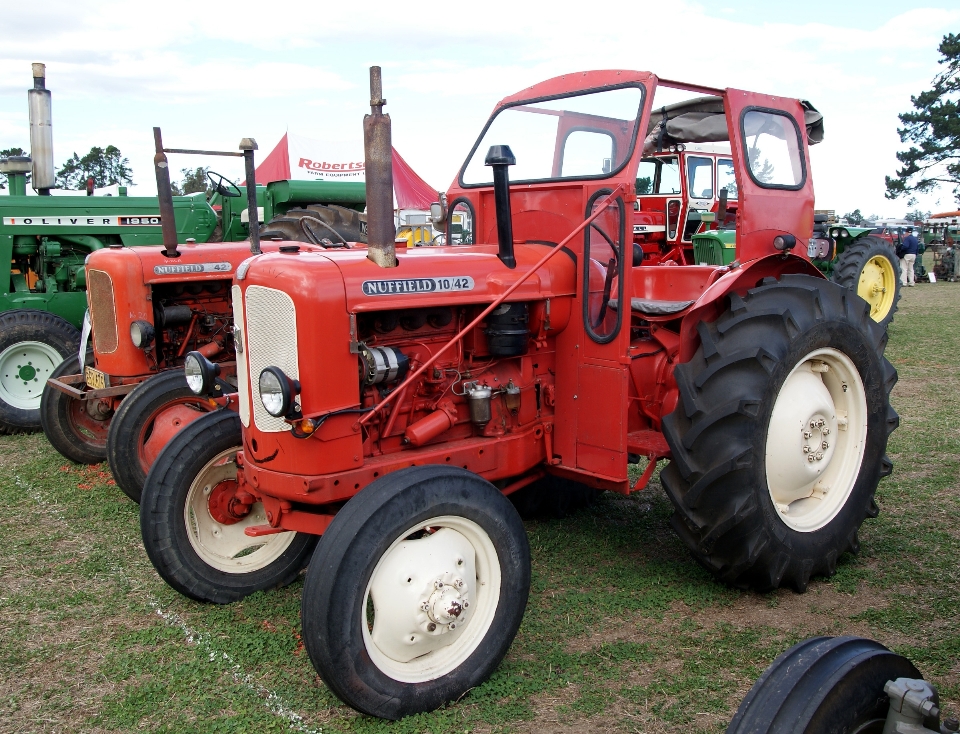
x,y
146,420
778,440
869,267
76,428
32,346
416,591
193,523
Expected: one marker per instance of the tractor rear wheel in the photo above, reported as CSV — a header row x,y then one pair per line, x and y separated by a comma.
x,y
336,223
32,345
870,268
779,436
824,685
193,526
147,419
76,428
416,591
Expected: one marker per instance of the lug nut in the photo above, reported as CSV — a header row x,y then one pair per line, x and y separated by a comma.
x,y
452,625
810,457
806,449
819,456
807,434
825,445
825,431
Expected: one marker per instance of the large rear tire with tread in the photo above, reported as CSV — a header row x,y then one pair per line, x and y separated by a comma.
x,y
779,436
163,399
338,224
824,685
32,345
200,555
76,428
416,591
870,268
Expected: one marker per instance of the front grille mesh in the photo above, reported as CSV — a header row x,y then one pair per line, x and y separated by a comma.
x,y
240,340
103,312
270,341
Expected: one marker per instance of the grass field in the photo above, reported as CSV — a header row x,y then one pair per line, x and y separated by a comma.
x,y
624,631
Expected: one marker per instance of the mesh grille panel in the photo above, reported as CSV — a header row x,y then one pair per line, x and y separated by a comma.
x,y
240,339
103,312
270,341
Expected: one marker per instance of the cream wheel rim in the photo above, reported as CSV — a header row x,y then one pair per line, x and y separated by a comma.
x,y
24,369
431,599
226,547
816,440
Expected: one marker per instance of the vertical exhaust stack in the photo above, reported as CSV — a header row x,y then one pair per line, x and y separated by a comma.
x,y
378,162
168,225
41,132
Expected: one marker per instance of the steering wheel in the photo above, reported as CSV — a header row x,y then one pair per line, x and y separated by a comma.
x,y
223,185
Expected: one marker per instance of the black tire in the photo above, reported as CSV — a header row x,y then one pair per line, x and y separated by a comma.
x,y
849,267
335,590
553,498
132,422
350,225
166,537
19,327
717,480
824,685
75,428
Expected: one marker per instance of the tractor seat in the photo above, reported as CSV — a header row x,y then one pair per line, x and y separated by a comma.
x,y
654,308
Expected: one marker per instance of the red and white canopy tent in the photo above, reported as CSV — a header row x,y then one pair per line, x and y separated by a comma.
x,y
300,158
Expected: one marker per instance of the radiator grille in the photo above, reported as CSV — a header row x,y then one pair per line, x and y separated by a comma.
x,y
103,312
270,341
240,340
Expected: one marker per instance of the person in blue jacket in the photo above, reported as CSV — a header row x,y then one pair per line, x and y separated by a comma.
x,y
908,248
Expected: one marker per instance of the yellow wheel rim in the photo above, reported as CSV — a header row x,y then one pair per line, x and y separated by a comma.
x,y
878,286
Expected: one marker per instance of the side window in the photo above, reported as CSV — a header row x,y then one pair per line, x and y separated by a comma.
x,y
726,179
774,150
587,153
603,270
700,177
658,176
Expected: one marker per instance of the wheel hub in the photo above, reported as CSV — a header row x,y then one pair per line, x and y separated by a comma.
x,y
26,372
99,410
444,604
224,505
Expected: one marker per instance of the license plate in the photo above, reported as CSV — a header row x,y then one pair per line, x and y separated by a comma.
x,y
95,378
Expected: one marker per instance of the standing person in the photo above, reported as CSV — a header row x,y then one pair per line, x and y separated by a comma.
x,y
909,247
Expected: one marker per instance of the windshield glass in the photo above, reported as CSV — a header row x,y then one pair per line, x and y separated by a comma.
x,y
700,177
586,136
658,176
726,179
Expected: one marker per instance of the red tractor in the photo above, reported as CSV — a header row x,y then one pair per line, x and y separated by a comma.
x,y
391,399
148,307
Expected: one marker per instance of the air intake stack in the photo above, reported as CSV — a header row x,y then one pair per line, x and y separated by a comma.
x,y
41,132
378,162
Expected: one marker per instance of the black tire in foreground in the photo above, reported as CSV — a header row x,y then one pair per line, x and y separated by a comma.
x,y
32,345
779,436
132,425
335,223
870,268
76,428
203,558
553,498
416,591
824,685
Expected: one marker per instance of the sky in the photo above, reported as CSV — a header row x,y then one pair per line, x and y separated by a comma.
x,y
210,73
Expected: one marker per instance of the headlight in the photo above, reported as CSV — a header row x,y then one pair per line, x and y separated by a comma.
x,y
277,392
141,334
200,372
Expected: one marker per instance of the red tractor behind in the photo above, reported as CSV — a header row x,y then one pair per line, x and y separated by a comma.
x,y
390,400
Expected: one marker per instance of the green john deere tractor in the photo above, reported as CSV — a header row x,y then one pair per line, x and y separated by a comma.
x,y
45,239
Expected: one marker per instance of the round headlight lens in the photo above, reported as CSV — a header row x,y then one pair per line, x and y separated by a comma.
x,y
194,374
272,393
141,334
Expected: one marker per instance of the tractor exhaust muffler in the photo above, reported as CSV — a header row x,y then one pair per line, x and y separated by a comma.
x,y
378,164
40,106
